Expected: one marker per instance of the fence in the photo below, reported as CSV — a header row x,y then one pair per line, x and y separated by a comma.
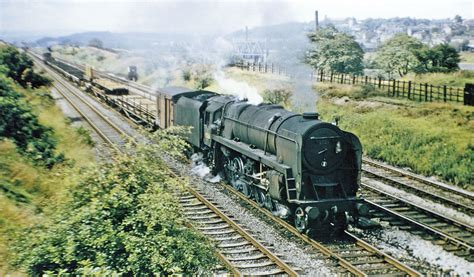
x,y
395,88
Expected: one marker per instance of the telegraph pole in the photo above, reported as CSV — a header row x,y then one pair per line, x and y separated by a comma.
x,y
316,20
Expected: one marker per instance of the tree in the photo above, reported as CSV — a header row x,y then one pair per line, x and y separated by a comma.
x,y
335,51
399,54
458,19
95,42
440,58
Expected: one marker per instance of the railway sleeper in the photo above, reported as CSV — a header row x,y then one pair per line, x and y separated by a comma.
x,y
232,245
234,237
230,231
429,221
264,263
363,262
207,228
203,217
246,258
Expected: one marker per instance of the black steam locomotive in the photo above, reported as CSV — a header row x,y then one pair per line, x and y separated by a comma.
x,y
295,165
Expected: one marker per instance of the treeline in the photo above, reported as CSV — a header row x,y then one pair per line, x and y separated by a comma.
x,y
336,51
18,122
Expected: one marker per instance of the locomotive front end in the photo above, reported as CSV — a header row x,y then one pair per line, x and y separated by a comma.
x,y
331,160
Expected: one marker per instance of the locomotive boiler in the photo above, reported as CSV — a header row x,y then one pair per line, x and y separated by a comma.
x,y
297,166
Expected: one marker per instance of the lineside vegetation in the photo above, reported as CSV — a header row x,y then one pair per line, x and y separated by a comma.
x,y
429,138
60,212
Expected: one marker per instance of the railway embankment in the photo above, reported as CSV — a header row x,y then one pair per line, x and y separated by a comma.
x,y
79,215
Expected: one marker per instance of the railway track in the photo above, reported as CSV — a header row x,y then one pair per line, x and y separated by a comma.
x,y
452,235
243,254
352,255
108,131
438,192
237,249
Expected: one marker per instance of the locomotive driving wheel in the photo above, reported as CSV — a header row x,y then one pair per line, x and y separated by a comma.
x,y
233,169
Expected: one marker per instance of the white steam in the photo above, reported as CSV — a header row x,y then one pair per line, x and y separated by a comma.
x,y
241,89
202,170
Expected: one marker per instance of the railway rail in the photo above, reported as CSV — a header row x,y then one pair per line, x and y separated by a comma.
x,y
452,235
107,130
439,192
356,256
352,254
243,254
234,243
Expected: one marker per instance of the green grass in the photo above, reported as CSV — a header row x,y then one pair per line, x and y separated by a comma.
x,y
455,79
467,57
27,189
429,138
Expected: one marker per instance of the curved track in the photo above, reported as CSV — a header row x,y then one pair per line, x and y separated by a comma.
x,y
234,243
107,130
356,256
438,192
453,236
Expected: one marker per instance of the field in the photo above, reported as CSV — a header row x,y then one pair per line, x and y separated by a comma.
x,y
433,139
456,79
467,57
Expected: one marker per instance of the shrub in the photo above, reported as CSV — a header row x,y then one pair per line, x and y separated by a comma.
x,y
19,67
19,123
203,81
121,218
187,75
279,96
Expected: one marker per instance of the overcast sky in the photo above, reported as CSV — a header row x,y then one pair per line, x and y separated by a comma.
x,y
206,16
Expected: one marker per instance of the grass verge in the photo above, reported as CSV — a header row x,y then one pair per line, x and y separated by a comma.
x,y
429,138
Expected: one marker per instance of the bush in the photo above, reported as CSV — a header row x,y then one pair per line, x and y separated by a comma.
x,y
19,67
203,81
357,92
19,123
279,96
122,218
187,76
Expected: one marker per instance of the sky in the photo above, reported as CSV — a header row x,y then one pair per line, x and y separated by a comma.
x,y
206,16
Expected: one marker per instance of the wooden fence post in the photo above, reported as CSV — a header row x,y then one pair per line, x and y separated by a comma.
x,y
469,94
380,82
419,95
431,93
366,77
445,93
342,78
353,80
393,85
409,89
426,92
321,79
331,78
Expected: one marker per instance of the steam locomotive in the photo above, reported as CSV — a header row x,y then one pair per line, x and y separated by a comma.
x,y
302,169
295,165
